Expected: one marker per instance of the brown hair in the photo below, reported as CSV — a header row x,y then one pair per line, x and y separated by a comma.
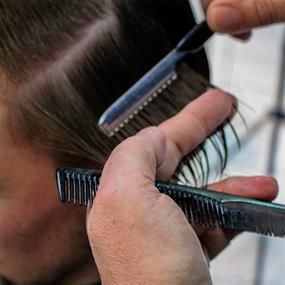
x,y
68,60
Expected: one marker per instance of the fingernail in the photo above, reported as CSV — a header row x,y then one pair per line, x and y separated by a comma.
x,y
224,19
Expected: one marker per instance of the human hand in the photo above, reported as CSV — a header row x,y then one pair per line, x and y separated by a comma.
x,y
140,236
238,17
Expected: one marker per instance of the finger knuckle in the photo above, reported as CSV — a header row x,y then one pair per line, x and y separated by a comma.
x,y
127,147
200,122
265,12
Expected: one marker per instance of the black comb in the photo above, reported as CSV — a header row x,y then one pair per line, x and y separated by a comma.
x,y
201,206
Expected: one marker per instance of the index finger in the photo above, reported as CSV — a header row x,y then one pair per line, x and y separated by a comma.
x,y
138,158
198,120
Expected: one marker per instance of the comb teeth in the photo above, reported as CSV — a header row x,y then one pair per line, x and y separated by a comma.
x,y
197,209
203,210
77,186
200,206
174,92
132,113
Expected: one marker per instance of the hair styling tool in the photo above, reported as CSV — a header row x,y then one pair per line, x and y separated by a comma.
x,y
161,93
201,206
153,84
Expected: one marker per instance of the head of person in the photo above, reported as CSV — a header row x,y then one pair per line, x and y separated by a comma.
x,y
62,63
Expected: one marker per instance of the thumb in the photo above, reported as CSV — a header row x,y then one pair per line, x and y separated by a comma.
x,y
232,16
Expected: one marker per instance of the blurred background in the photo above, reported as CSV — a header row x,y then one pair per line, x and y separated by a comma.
x,y
253,72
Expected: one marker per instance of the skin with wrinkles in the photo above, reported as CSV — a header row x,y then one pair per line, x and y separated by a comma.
x,y
140,236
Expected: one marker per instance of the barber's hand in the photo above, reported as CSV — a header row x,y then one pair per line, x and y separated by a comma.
x,y
139,236
238,17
